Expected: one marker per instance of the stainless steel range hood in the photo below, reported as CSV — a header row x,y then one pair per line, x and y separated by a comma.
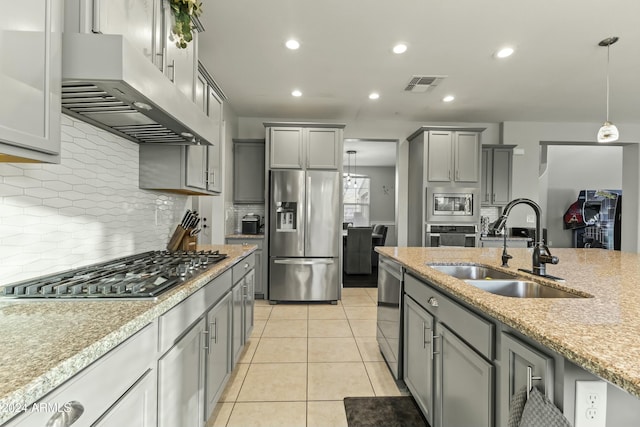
x,y
108,83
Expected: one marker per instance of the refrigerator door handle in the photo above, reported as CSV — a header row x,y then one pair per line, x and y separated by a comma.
x,y
303,261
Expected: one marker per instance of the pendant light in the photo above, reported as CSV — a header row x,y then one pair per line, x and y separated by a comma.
x,y
350,153
608,132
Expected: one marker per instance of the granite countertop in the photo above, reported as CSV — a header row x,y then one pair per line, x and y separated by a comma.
x,y
598,333
45,343
244,236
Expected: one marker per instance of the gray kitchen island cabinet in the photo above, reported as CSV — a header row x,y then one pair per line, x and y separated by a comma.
x,y
30,81
418,355
218,362
496,174
523,365
448,358
304,146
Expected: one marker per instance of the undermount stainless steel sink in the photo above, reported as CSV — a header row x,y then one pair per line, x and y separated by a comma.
x,y
472,272
501,283
520,289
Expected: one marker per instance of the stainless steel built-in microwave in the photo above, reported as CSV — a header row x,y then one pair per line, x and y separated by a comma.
x,y
451,203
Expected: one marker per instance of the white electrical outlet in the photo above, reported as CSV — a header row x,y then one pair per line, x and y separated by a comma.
x,y
591,404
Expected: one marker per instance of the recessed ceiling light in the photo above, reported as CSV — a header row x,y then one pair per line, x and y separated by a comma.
x,y
400,48
448,98
503,53
292,44
374,95
296,93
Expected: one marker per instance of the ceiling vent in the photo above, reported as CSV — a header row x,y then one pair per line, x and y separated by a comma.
x,y
421,84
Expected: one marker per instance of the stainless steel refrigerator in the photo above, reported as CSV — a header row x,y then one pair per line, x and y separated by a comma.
x,y
304,236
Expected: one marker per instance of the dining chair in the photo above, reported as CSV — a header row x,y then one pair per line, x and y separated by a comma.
x,y
357,252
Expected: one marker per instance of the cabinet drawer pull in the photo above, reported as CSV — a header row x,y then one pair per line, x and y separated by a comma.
x,y
246,265
173,70
67,415
530,380
433,302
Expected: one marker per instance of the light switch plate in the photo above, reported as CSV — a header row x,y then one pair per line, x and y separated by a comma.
x,y
591,404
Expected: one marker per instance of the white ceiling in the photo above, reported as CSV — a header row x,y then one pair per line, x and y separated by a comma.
x,y
370,152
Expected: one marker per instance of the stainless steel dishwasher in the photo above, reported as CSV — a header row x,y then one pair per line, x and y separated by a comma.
x,y
389,323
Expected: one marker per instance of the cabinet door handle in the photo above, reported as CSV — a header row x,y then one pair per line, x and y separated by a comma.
x,y
433,345
449,174
205,346
530,380
424,334
493,198
214,327
173,70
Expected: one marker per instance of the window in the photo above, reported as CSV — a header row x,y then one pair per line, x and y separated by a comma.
x,y
356,191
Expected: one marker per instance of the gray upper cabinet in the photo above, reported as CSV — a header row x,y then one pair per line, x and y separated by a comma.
x,y
180,65
453,156
312,146
30,80
175,168
449,154
248,171
214,171
497,163
136,21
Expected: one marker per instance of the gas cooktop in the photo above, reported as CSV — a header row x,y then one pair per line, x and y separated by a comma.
x,y
141,276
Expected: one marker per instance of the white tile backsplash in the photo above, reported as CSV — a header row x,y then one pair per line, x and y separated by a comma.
x,y
84,210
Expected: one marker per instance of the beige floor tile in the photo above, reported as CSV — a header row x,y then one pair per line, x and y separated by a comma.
x,y
262,312
358,301
262,303
326,414
352,292
361,313
282,328
373,293
335,381
290,311
369,349
274,382
230,393
381,379
329,328
258,328
363,328
268,414
333,350
220,415
248,350
326,312
278,350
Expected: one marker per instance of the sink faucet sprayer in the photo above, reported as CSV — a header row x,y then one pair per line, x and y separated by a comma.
x,y
541,254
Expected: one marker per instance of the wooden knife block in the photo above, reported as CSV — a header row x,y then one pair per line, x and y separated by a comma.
x,y
181,240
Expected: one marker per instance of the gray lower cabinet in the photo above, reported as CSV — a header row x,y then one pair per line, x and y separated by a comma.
x,y
523,364
242,305
248,171
418,355
448,358
180,380
260,267
218,365
136,408
464,383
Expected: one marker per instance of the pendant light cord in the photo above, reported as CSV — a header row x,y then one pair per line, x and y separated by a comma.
x,y
608,49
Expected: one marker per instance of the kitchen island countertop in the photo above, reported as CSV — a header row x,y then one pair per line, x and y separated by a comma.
x,y
600,333
46,343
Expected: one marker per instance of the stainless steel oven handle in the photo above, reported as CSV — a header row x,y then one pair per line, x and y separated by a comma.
x,y
303,261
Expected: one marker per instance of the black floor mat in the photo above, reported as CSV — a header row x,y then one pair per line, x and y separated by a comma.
x,y
401,411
